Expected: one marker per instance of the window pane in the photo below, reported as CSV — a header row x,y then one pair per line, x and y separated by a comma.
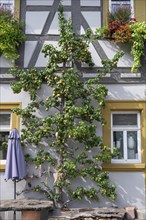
x,y
132,144
3,138
115,4
118,142
114,7
7,4
124,119
120,0
5,120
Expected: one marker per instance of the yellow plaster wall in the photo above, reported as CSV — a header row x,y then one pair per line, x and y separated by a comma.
x,y
17,9
140,10
105,11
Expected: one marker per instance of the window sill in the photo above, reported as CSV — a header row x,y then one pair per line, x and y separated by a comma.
x,y
2,167
124,167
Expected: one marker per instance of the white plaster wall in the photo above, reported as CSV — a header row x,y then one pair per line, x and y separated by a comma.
x,y
54,28
90,2
130,185
111,48
35,22
42,61
28,52
7,188
6,95
130,188
42,2
115,92
4,62
89,17
29,49
126,92
47,2
130,192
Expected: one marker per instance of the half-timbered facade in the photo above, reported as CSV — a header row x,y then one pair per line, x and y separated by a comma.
x,y
126,100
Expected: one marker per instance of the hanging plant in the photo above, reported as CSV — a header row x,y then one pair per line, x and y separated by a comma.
x,y
138,39
123,29
11,34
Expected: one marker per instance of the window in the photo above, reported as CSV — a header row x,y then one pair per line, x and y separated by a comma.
x,y
114,4
5,126
125,128
7,4
125,135
8,121
12,5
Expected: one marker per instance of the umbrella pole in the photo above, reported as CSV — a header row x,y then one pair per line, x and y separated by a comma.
x,y
14,214
14,188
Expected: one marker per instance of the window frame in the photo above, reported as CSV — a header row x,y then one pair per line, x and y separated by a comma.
x,y
6,112
123,2
15,122
125,105
6,129
125,129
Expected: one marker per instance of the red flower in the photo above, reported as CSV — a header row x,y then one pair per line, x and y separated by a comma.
x,y
122,34
133,20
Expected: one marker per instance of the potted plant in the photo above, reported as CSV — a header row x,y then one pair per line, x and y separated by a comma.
x,y
118,19
122,28
11,34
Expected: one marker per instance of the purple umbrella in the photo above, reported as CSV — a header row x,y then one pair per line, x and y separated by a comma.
x,y
15,162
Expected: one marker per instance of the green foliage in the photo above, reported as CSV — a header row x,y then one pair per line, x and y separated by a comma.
x,y
138,40
122,13
102,33
122,29
31,81
3,146
71,113
48,192
11,35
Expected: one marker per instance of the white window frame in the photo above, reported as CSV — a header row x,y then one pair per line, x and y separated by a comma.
x,y
6,129
122,2
124,129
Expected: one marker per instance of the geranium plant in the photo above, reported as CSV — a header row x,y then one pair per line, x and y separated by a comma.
x,y
11,34
123,34
123,29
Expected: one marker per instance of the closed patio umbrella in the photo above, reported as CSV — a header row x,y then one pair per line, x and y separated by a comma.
x,y
15,162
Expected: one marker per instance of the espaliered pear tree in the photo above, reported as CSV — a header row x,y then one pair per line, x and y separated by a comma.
x,y
73,150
